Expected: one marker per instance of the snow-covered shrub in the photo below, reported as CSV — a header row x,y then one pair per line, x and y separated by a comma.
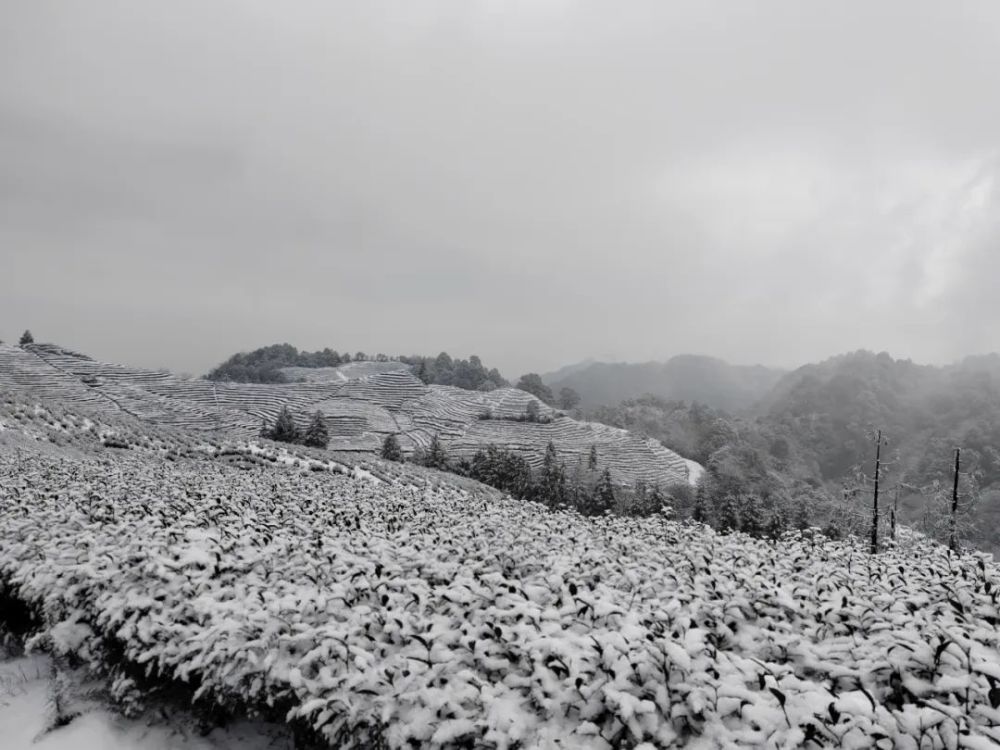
x,y
382,612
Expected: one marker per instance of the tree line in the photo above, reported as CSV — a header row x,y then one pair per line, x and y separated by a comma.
x,y
585,486
285,430
264,365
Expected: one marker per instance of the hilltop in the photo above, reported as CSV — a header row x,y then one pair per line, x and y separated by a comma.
x,y
360,402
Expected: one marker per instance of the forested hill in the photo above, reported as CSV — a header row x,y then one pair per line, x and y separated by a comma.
x,y
706,380
284,363
813,433
926,411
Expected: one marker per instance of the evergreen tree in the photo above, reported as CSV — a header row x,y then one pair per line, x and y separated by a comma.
x,y
552,482
604,494
285,430
532,383
316,435
726,514
265,430
26,338
436,458
390,448
592,459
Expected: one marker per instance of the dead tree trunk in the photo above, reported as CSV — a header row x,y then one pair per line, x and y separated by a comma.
x,y
895,510
878,466
953,528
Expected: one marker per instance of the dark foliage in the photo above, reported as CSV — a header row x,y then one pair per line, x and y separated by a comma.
x,y
503,469
26,338
532,383
264,365
469,374
316,434
435,456
285,430
390,449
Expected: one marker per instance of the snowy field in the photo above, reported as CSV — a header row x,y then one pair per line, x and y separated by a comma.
x,y
27,688
431,617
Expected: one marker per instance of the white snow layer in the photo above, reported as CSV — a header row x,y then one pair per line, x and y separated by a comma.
x,y
26,712
695,471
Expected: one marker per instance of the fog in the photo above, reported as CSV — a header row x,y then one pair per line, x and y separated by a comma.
x,y
533,182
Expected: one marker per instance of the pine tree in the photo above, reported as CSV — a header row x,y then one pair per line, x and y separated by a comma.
x,y
727,517
592,459
552,482
26,338
316,435
604,494
436,458
390,449
285,430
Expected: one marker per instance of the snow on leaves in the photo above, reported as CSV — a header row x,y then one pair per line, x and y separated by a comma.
x,y
431,617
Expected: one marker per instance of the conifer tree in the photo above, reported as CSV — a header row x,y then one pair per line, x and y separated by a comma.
x,y
656,501
390,448
552,482
26,338
285,430
592,459
436,458
265,431
604,494
316,435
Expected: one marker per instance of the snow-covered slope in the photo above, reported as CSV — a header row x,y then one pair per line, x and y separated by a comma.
x,y
28,722
362,402
433,617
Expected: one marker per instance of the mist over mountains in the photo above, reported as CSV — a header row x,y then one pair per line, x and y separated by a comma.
x,y
812,429
686,377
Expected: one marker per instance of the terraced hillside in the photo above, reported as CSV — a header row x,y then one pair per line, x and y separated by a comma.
x,y
361,406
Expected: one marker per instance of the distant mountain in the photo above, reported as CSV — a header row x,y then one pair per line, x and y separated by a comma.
x,y
707,380
567,370
925,410
813,433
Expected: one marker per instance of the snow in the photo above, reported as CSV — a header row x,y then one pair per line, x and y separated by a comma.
x,y
358,473
26,690
440,614
695,471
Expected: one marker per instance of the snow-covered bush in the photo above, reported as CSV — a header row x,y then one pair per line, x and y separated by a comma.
x,y
414,616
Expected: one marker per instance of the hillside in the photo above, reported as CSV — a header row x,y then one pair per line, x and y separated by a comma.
x,y
378,613
926,411
361,403
706,380
812,436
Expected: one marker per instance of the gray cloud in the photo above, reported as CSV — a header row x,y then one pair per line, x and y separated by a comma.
x,y
535,182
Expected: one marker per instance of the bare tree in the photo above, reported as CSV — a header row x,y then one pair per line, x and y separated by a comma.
x,y
878,466
953,523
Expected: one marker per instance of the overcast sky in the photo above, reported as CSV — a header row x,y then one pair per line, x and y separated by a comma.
x,y
535,182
